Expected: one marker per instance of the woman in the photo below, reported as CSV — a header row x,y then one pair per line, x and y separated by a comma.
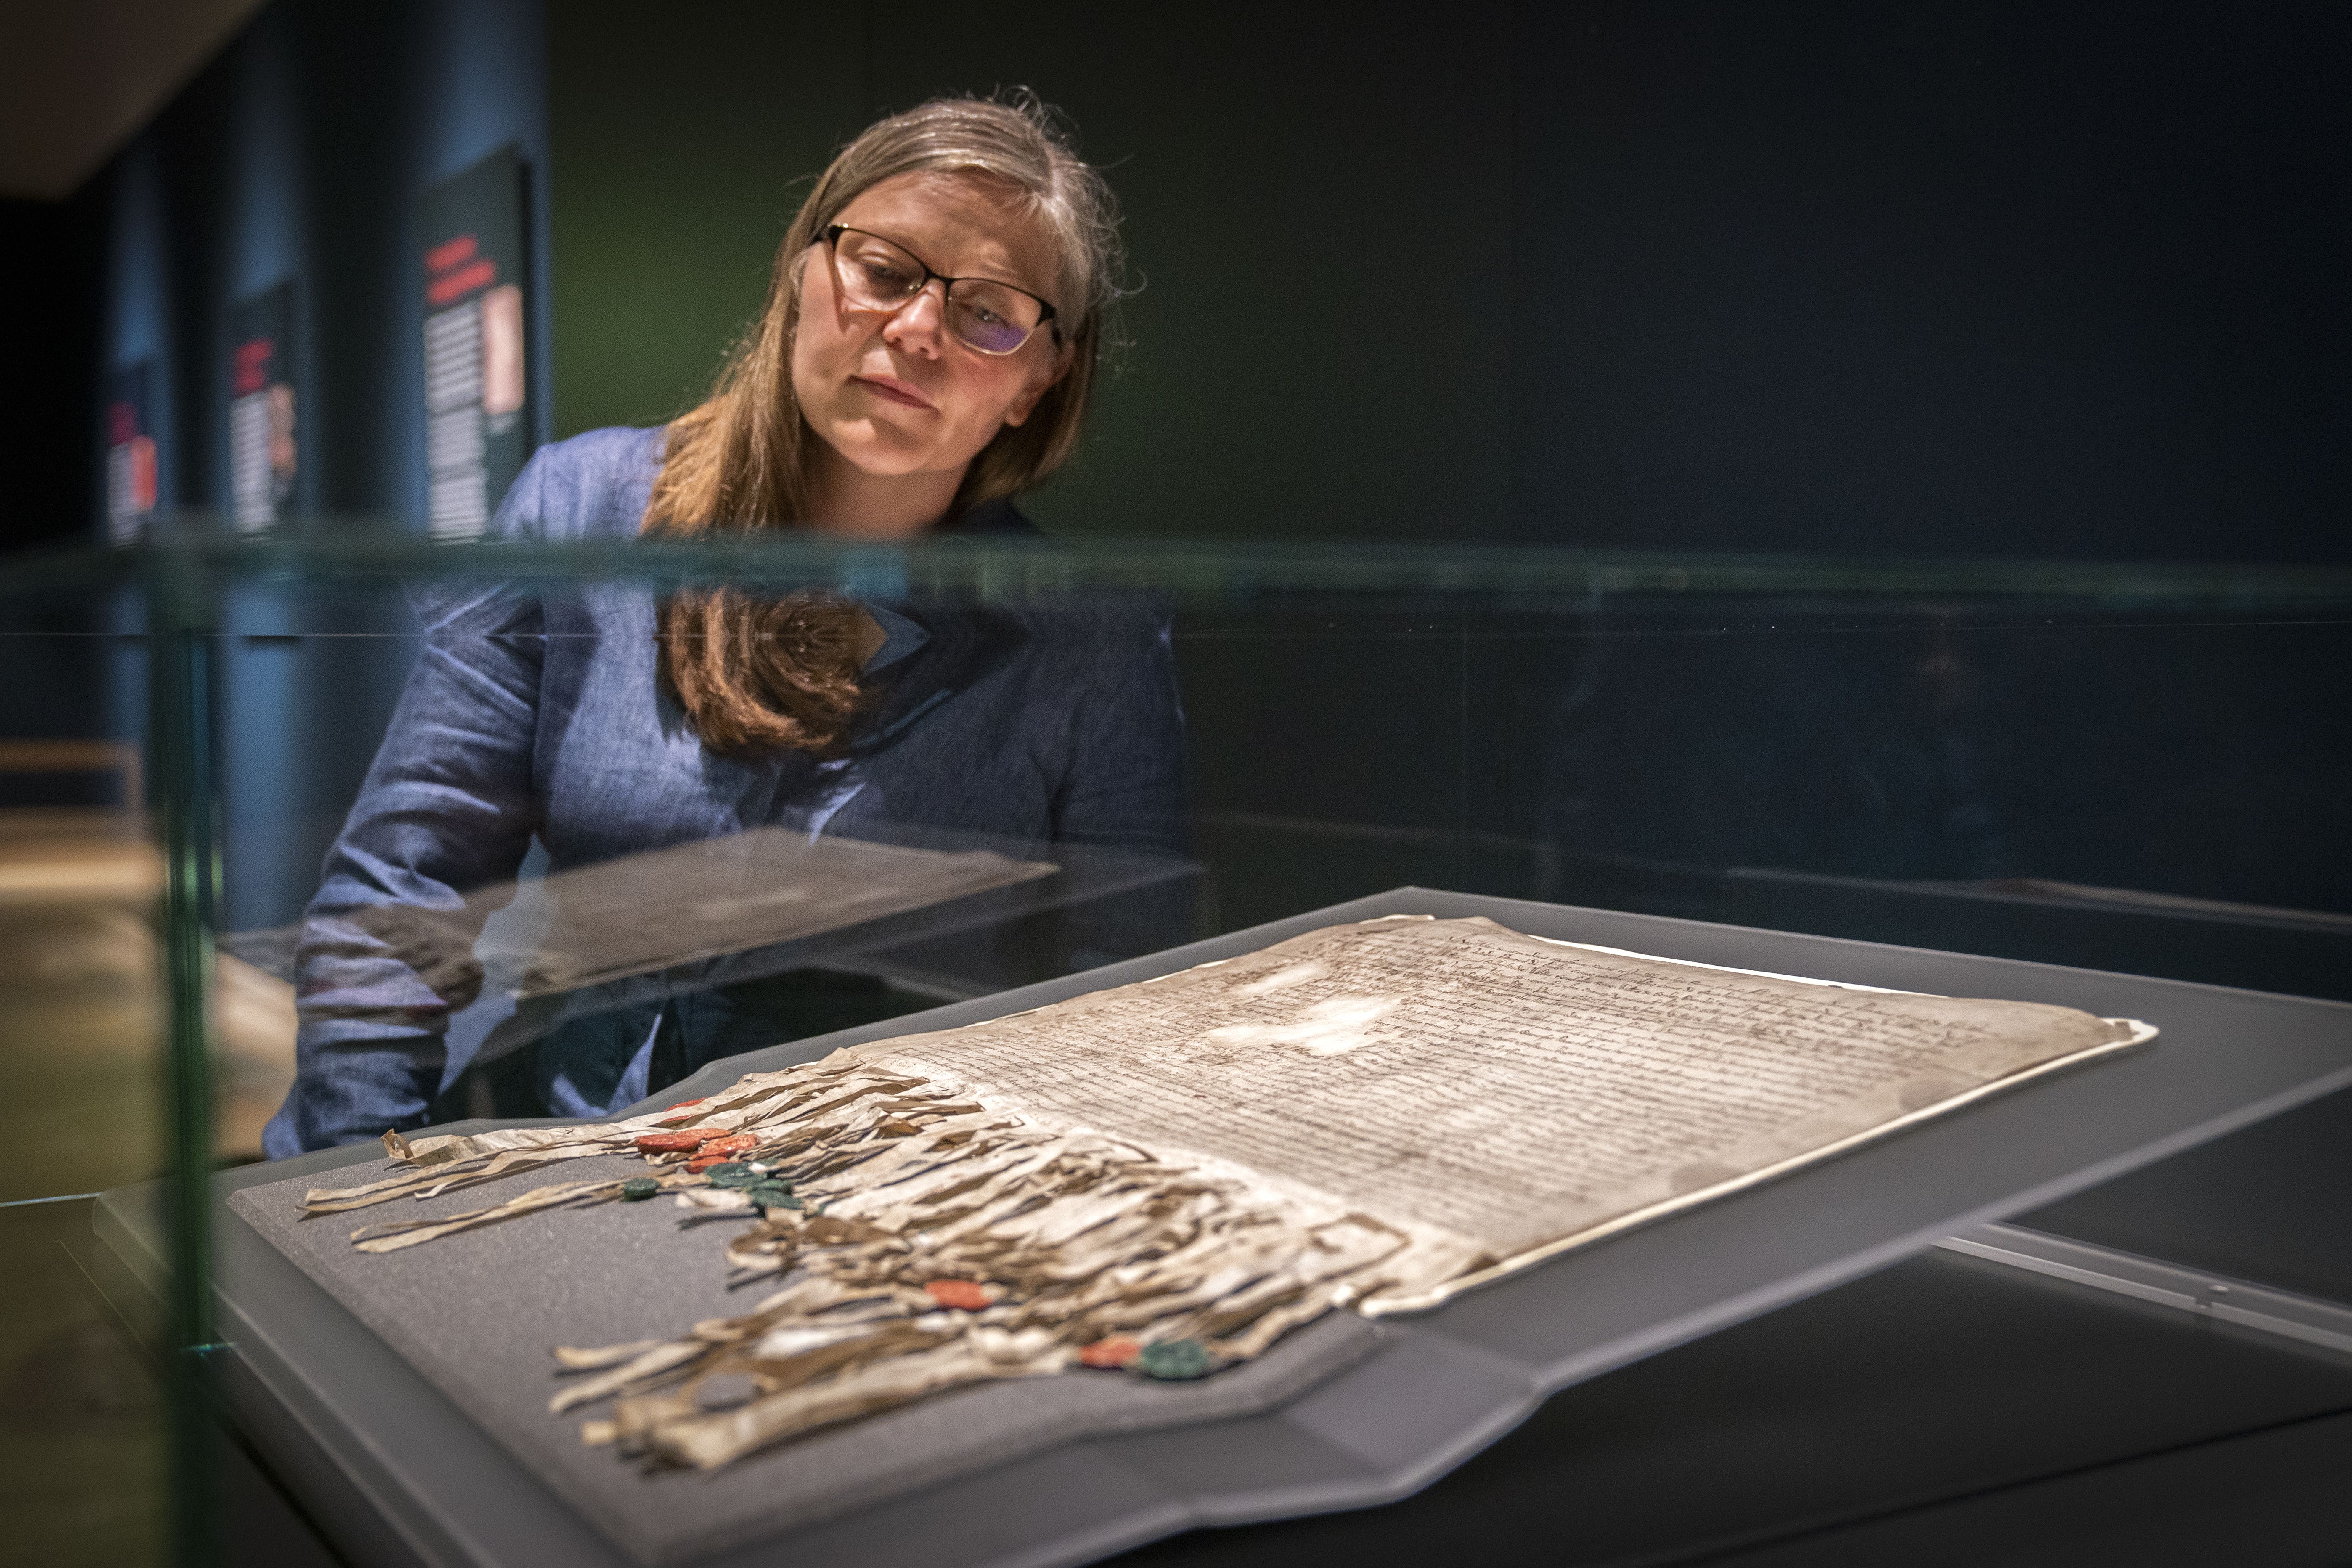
x,y
926,353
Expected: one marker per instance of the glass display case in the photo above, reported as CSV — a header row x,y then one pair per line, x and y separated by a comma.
x,y
329,830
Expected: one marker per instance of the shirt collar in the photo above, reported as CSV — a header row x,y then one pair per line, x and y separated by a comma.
x,y
900,637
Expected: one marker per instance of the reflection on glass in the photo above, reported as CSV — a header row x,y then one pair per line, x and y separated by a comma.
x,y
983,748
84,1429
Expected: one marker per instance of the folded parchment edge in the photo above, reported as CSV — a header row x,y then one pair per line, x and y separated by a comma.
x,y
2136,1034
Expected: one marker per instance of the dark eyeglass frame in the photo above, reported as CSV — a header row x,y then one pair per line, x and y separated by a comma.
x,y
833,232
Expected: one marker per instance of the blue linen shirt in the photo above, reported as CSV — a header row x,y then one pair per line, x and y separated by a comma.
x,y
539,712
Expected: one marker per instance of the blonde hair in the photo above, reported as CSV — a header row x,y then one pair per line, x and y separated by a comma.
x,y
754,675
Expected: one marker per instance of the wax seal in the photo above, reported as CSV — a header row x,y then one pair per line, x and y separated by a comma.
x,y
675,1142
964,1295
1173,1360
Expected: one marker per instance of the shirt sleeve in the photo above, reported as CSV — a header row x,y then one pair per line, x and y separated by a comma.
x,y
448,807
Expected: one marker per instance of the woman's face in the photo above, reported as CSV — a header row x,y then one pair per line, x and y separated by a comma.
x,y
894,393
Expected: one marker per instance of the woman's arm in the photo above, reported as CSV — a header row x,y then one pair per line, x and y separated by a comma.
x,y
448,807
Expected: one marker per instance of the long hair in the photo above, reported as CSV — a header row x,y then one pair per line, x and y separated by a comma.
x,y
751,673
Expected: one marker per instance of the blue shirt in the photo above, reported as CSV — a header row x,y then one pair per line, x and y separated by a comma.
x,y
538,712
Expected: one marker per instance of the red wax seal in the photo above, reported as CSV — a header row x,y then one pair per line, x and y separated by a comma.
x,y
1111,1353
720,1149
668,1142
961,1294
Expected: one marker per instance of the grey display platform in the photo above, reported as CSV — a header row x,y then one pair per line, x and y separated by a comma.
x,y
397,1471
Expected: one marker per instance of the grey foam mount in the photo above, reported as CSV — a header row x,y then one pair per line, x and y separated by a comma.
x,y
405,1409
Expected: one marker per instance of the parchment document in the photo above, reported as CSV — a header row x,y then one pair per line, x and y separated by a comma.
x,y
1520,1094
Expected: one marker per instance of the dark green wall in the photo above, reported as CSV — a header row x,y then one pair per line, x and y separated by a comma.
x,y
1318,204
676,142
2001,277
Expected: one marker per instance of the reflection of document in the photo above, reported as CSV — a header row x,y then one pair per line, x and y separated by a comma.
x,y
1173,1175
704,899
647,912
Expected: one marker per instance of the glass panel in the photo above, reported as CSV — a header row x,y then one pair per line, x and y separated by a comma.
x,y
84,1443
2095,766
543,894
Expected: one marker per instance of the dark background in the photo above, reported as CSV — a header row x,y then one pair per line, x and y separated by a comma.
x,y
1820,274
1939,278
1821,277
49,342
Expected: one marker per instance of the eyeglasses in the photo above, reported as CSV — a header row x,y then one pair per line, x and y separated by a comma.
x,y
989,316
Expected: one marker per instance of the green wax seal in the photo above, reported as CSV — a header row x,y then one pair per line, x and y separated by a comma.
x,y
733,1174
773,1195
1173,1360
637,1189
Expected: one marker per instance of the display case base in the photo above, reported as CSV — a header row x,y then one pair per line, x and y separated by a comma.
x,y
398,1472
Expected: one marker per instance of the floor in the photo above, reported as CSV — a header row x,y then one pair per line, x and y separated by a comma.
x,y
82,1449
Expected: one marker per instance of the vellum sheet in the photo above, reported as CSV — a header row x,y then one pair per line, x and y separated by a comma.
x,y
1518,1095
